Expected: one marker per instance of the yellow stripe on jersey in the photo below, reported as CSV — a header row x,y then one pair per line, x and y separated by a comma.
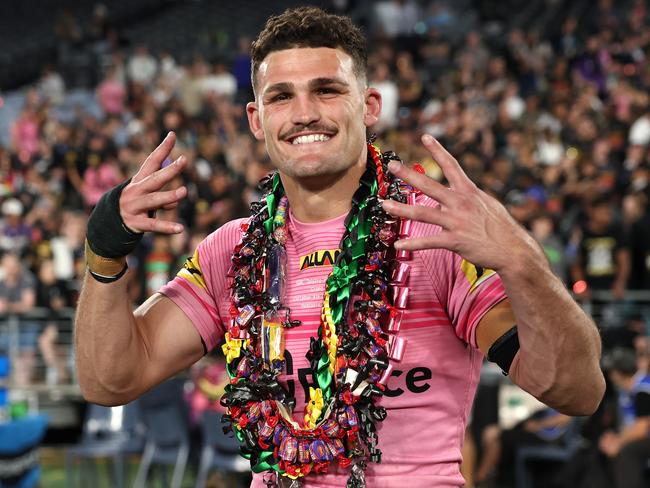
x,y
191,271
475,274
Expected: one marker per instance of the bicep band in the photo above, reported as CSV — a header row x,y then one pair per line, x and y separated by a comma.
x,y
504,349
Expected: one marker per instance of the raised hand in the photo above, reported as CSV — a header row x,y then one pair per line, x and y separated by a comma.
x,y
473,224
143,195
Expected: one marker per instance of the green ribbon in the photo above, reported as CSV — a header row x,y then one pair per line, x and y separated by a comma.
x,y
240,437
339,283
263,463
324,377
231,368
271,203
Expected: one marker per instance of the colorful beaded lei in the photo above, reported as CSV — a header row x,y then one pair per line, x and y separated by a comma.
x,y
361,315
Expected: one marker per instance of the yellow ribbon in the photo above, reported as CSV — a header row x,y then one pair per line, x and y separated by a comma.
x,y
232,348
330,332
314,407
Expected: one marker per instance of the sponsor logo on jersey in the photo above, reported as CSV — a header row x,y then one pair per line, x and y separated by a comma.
x,y
322,257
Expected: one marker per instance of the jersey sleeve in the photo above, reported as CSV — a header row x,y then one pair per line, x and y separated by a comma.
x,y
472,292
200,288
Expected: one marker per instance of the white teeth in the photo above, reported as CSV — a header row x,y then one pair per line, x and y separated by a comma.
x,y
310,138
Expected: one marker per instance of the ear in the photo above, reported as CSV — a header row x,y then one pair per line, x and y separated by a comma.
x,y
372,107
253,114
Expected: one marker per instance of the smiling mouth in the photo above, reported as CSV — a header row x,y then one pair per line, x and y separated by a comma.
x,y
309,139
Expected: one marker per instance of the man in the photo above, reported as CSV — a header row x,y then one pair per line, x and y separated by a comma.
x,y
18,297
629,448
312,109
603,261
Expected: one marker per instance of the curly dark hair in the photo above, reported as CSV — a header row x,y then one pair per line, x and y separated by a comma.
x,y
310,27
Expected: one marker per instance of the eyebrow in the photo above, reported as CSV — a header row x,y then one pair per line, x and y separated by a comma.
x,y
316,82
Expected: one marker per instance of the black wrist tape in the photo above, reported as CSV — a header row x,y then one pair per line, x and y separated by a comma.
x,y
107,235
504,349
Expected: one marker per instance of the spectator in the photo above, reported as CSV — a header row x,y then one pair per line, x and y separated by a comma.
x,y
636,223
101,175
544,428
18,297
543,230
26,133
219,83
51,86
629,447
15,233
159,263
389,97
111,93
396,18
142,66
209,379
241,68
603,261
52,294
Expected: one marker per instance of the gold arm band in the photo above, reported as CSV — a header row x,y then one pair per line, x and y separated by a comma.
x,y
104,266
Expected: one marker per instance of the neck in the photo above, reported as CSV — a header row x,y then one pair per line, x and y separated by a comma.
x,y
324,197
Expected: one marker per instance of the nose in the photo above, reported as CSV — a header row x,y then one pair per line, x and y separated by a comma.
x,y
305,110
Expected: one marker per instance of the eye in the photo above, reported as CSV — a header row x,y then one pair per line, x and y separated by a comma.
x,y
326,91
280,97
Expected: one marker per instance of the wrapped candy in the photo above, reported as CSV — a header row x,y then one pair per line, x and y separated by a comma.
x,y
276,274
272,336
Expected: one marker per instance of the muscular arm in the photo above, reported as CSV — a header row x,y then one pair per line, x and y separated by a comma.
x,y
120,353
558,359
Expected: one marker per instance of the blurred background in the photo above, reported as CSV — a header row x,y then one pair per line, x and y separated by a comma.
x,y
545,103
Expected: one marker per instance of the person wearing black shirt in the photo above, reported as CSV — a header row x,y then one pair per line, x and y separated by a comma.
x,y
629,447
603,260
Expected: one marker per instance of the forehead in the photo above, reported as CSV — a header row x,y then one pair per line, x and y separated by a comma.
x,y
303,64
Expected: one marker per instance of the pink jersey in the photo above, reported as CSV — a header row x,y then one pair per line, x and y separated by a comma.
x,y
430,393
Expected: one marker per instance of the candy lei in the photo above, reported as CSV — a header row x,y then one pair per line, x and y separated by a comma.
x,y
360,320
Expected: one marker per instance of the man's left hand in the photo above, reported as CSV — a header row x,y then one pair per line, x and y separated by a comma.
x,y
473,224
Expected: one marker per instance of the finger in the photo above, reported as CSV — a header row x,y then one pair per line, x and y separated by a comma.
x,y
450,167
426,185
157,200
430,215
145,224
160,178
438,241
156,158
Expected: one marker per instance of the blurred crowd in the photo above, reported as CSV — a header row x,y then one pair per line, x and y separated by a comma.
x,y
553,120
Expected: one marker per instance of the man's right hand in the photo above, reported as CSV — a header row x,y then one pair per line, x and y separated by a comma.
x,y
144,195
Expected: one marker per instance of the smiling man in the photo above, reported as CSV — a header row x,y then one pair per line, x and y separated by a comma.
x,y
356,303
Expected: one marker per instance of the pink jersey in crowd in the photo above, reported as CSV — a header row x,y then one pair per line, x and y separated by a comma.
x,y
430,393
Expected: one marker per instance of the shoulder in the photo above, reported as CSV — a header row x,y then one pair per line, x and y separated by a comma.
x,y
222,241
643,385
